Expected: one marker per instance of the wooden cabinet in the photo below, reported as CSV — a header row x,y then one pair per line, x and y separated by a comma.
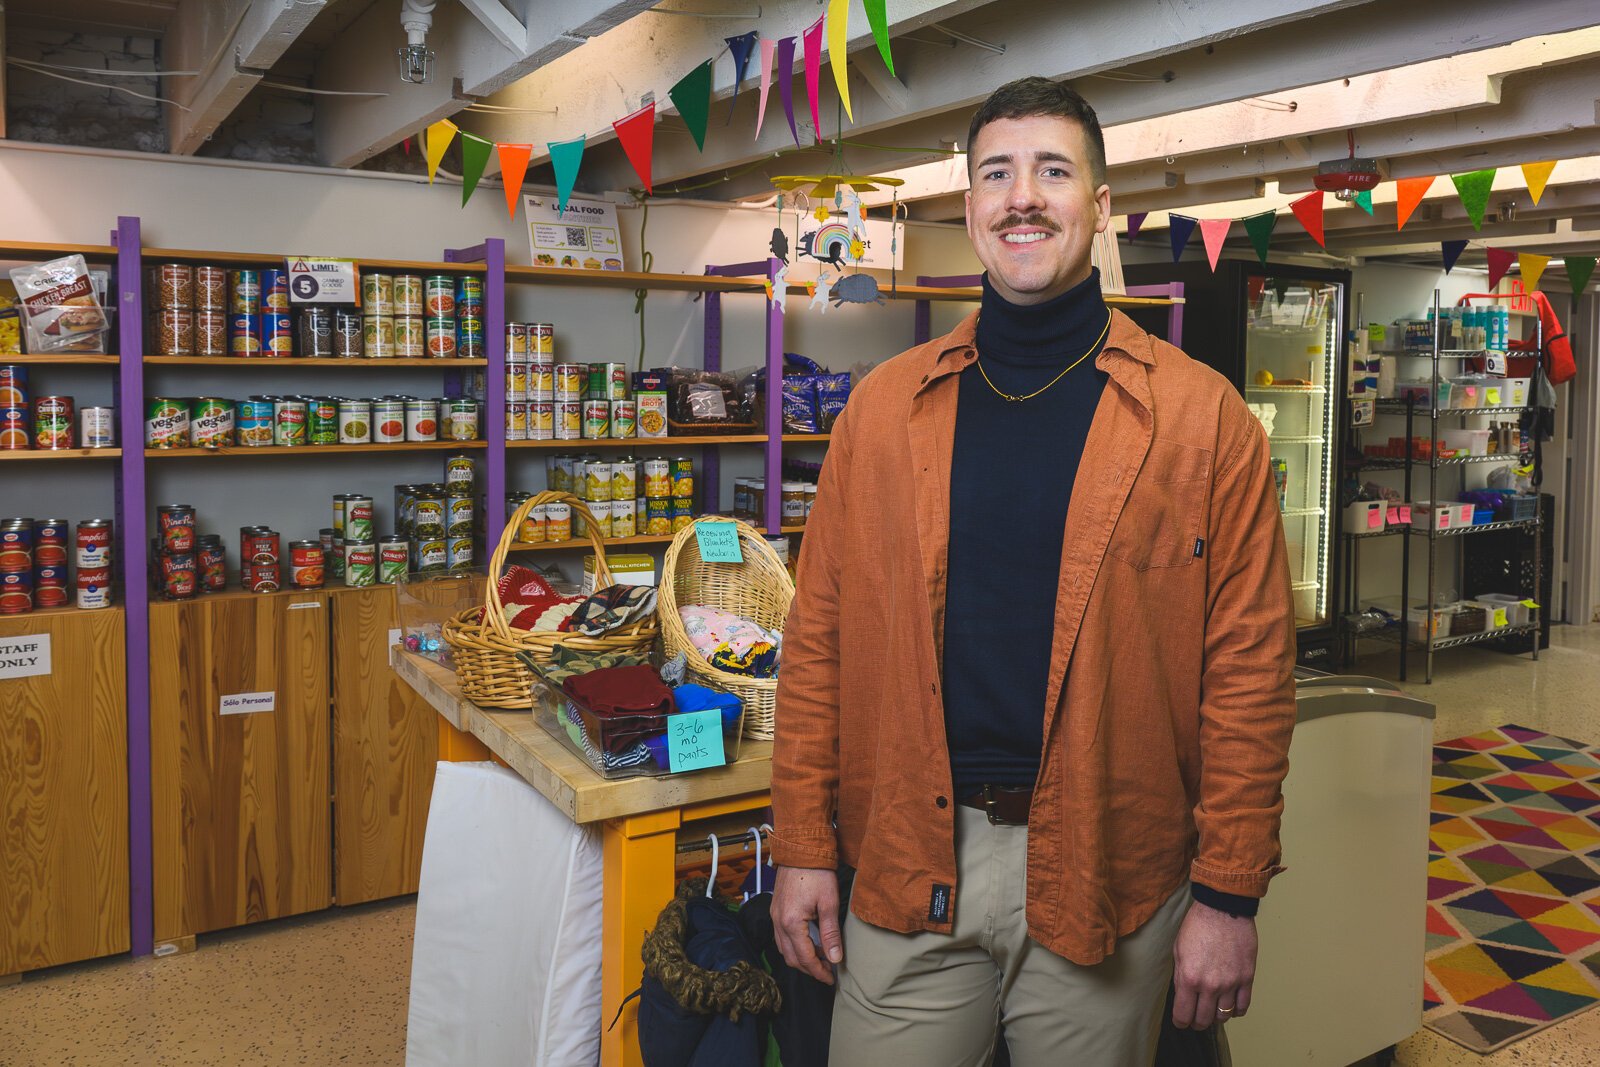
x,y
64,794
240,801
385,744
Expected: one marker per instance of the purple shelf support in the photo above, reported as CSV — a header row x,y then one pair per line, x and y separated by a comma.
x,y
1174,292
711,464
133,532
492,254
774,445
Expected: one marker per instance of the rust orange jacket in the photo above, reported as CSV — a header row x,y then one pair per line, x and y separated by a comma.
x,y
1171,692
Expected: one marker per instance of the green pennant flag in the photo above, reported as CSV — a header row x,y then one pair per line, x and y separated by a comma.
x,y
692,97
1364,200
878,20
1579,268
474,157
1259,227
1473,188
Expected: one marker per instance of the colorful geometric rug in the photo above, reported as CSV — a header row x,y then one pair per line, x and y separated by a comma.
x,y
1513,886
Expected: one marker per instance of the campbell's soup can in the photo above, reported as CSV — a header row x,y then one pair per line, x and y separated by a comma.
x,y
305,564
377,294
252,422
394,556
50,543
244,334
210,289
179,575
360,564
439,338
244,287
166,423
516,421
53,423
50,587
262,578
388,421
175,332
211,422
322,420
175,527
212,562
377,336
463,420
94,587
274,292
16,592
16,545
289,417
93,544
97,427
211,333
408,295
542,420
410,339
422,420
439,296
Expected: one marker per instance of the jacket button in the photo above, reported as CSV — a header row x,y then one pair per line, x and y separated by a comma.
x,y
942,802
924,379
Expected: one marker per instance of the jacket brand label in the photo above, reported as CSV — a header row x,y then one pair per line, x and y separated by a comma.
x,y
1199,547
939,905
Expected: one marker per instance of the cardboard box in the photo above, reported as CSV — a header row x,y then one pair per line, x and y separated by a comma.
x,y
652,414
626,569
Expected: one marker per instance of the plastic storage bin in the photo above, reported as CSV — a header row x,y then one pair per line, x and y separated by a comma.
x,y
1515,392
1468,442
1426,515
1517,611
1365,516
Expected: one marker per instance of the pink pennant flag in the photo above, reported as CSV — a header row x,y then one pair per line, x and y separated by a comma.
x,y
1500,260
767,46
813,46
1214,232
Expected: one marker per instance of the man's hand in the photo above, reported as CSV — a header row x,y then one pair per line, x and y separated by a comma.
x,y
1214,965
801,895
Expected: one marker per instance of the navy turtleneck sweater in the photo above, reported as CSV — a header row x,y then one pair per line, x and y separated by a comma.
x,y
1010,482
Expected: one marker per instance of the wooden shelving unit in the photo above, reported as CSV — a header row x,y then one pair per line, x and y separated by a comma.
x,y
583,542
61,454
630,280
63,360
807,438
639,442
10,250
282,362
239,451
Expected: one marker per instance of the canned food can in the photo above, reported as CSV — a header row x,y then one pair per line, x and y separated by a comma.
x,y
289,422
262,578
388,421
54,424
210,289
624,518
682,513
13,386
16,545
516,381
377,294
394,556
558,522
16,592
98,427
316,332
322,420
469,322
347,333
531,530
658,516
683,476
516,342
439,338
358,518
333,561
568,420
377,336
600,512
405,502
469,289
179,577
569,381
558,473
469,347
211,422
439,296
460,472
175,332
624,418
50,587
50,543
175,285
657,479
408,299
597,481
341,511
624,479
274,292
542,420
541,342
463,420
458,516
355,422
428,520
245,289
517,421
428,557
211,333
277,334
93,542
166,423
325,539
541,381
305,564
422,420
608,381
458,554
212,563
258,546
94,587
175,527
596,419
252,422
14,433
244,334
410,340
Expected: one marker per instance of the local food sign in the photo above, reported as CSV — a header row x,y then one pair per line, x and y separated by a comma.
x,y
24,657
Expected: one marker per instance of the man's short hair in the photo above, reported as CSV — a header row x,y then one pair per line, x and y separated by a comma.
x,y
1041,96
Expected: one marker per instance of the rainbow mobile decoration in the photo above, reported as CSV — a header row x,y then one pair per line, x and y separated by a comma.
x,y
834,240
830,243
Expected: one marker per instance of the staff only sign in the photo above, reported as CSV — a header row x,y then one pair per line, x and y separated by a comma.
x,y
24,657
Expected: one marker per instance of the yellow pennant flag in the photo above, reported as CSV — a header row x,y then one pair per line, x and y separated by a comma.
x,y
440,134
838,30
1536,175
1532,268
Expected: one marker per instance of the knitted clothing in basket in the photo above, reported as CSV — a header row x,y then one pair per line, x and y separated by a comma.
x,y
732,642
630,702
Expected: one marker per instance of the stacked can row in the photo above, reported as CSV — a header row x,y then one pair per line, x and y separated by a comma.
x,y
750,500
50,423
628,497
33,564
291,421
412,316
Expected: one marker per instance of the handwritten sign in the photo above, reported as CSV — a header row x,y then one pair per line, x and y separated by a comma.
x,y
694,740
247,703
719,542
24,657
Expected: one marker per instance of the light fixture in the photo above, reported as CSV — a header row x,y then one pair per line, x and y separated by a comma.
x,y
416,60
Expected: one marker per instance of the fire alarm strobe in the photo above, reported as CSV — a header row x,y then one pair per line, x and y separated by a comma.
x,y
1344,178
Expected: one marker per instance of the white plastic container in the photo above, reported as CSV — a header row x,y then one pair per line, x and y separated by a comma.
x,y
1427,515
1517,613
1365,516
1472,442
1515,392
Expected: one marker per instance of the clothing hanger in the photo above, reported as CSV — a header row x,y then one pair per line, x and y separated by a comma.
x,y
755,833
711,883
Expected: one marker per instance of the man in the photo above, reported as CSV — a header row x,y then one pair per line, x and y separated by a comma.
x,y
1037,685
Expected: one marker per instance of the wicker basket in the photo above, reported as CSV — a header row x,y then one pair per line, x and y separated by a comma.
x,y
486,650
759,589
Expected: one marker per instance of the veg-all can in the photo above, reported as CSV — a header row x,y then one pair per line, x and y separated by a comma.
x,y
408,294
16,592
166,423
53,423
289,422
93,544
244,334
305,564
179,579
439,296
50,543
98,427
410,339
460,472
212,563
355,422
94,587
517,421
463,424
245,289
322,420
360,564
422,420
388,421
394,556
439,338
252,422
175,527
357,518
274,292
211,422
458,554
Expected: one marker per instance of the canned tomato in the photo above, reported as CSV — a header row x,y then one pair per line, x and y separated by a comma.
x,y
360,563
657,479
388,421
212,563
322,420
14,434
422,420
569,381
683,476
50,587
439,296
377,294
261,578
357,518
53,423
558,522
408,298
175,527
174,285
596,419
531,531
458,516
211,333
98,427
347,333
410,340
93,543
541,381
94,587
541,342
16,545
516,381
13,386
394,555
458,554
429,557
624,418
244,334
439,338
682,513
245,286
175,332
16,592
658,516
355,422
377,336
624,518
211,422
517,421
274,292
179,579
50,543
305,564
516,342
210,289
252,422
463,425
316,332
289,422
541,420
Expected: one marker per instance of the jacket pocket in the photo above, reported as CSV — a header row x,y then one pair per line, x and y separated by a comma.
x,y
1165,516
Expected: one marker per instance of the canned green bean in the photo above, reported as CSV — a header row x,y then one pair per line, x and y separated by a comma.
x,y
394,555
358,519
360,564
459,554
289,422
335,560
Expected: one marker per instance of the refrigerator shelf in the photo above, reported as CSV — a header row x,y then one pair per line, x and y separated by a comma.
x,y
1482,527
1386,463
1295,513
1400,407
1289,439
1301,390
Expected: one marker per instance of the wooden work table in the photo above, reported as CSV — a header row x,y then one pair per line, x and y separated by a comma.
x,y
640,819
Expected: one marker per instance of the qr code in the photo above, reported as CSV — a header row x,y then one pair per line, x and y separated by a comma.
x,y
577,237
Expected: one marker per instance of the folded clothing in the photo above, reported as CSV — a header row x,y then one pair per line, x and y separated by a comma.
x,y
630,703
531,603
572,719
687,698
612,608
565,662
732,642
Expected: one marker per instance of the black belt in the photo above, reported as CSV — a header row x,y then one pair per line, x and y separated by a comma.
x,y
1005,805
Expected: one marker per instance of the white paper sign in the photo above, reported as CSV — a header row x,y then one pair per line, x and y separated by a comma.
x,y
584,237
24,657
247,703
318,280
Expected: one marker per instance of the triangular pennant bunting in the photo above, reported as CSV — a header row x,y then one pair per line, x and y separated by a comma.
x,y
1531,267
1308,209
1537,175
1135,221
1408,194
1213,232
783,70
637,133
513,167
767,46
1579,269
440,134
406,144
878,20
838,33
1179,230
1500,260
813,55
1259,227
1364,200
1473,188
474,157
741,47
692,97
565,158
1451,251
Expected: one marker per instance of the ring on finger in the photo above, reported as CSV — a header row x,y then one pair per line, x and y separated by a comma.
x,y
1224,1011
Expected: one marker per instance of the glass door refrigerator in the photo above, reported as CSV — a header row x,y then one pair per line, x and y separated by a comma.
x,y
1276,332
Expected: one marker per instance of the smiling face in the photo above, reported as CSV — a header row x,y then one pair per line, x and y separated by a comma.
x,y
1034,207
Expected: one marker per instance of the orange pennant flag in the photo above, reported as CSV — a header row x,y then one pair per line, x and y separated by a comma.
x,y
513,165
1536,175
1408,194
1308,209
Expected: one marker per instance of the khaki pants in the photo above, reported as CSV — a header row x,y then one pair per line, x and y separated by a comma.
x,y
936,1000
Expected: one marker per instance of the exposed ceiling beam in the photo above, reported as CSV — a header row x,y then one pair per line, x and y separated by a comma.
x,y
1566,238
234,43
502,23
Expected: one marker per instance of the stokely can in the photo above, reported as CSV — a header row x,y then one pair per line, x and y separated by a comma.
x,y
624,418
408,296
98,427
458,554
211,422
439,338
179,579
93,541
463,415
274,292
166,423
212,562
460,473
657,479
94,587
322,420
624,518
596,419
347,332
53,423
261,578
410,340
458,516
16,592
245,289
517,421
516,381
355,422
244,334
175,527
422,420
211,333
50,587
175,332
439,296
682,476
252,422
394,556
608,381
542,420
174,285
357,518
210,289
569,381
50,543
316,332
289,422
377,294
360,564
305,564
388,421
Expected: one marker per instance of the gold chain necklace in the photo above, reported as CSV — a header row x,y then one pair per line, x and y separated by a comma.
x,y
1052,381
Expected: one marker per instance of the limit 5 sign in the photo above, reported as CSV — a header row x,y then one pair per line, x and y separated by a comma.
x,y
315,280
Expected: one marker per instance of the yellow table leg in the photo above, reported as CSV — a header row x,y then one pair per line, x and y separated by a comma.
x,y
456,746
